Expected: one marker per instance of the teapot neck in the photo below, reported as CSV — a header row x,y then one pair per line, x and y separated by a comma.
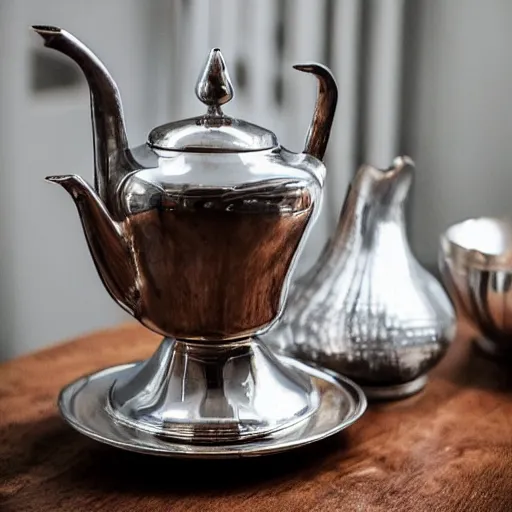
x,y
109,132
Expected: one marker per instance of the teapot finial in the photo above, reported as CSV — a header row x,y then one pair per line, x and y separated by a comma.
x,y
214,87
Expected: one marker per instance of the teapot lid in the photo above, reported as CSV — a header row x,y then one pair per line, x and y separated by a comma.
x,y
213,131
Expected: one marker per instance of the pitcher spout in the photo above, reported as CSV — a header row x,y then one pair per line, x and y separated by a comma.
x,y
106,241
109,132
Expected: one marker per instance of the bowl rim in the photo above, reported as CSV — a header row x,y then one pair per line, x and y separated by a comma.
x,y
476,258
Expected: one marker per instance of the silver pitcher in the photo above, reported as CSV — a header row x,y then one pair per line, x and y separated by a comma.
x,y
195,233
367,309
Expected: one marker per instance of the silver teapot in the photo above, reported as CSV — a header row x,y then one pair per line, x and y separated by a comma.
x,y
195,233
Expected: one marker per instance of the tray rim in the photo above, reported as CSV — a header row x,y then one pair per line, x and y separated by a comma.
x,y
250,448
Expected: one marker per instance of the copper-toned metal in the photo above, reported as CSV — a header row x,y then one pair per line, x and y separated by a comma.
x,y
205,263
214,87
109,132
196,233
325,108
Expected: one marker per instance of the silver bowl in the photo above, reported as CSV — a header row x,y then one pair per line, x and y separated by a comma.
x,y
475,261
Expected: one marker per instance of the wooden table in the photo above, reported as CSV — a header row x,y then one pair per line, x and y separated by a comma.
x,y
447,449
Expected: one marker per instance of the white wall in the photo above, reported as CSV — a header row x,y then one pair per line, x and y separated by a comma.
x,y
457,123
49,287
458,120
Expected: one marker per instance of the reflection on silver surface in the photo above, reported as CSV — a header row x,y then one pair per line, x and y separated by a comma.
x,y
82,403
196,244
367,309
214,130
231,392
196,234
476,264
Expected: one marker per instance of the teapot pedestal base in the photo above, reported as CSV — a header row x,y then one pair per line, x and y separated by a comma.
x,y
397,391
217,393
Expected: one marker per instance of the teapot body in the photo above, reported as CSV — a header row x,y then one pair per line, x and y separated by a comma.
x,y
213,238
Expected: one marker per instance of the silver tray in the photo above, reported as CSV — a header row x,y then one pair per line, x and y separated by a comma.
x,y
83,405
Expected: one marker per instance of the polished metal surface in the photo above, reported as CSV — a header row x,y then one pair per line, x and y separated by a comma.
x,y
327,99
196,245
196,234
475,261
213,131
230,392
84,405
202,262
214,87
367,308
109,132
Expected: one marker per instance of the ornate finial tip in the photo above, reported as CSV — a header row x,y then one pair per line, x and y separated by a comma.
x,y
214,87
215,58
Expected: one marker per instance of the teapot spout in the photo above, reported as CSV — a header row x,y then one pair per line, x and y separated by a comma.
x,y
105,239
325,108
109,132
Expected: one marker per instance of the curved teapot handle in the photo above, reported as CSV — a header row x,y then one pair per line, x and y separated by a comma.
x,y
325,107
